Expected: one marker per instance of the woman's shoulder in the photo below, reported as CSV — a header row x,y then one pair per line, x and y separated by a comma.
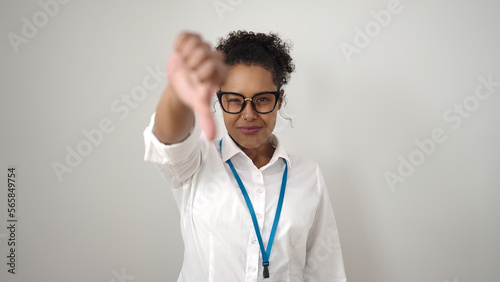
x,y
307,172
302,162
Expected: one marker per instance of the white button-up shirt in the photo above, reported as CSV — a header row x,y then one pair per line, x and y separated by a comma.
x,y
217,229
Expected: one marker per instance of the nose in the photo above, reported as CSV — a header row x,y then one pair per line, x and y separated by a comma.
x,y
248,110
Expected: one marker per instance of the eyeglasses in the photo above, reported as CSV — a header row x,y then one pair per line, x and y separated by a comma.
x,y
262,102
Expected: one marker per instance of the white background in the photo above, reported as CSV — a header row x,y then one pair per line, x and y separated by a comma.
x,y
112,217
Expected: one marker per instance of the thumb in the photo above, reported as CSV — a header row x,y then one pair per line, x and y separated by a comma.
x,y
207,121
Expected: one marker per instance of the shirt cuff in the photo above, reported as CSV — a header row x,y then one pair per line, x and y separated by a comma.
x,y
160,153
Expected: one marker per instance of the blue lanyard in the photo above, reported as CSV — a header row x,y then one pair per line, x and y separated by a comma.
x,y
265,253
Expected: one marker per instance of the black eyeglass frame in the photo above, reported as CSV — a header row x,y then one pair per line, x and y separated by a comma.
x,y
275,93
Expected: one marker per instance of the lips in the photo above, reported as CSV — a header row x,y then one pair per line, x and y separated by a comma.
x,y
249,129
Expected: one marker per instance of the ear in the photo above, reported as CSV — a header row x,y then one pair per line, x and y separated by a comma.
x,y
282,96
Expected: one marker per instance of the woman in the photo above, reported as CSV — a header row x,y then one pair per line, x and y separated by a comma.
x,y
249,210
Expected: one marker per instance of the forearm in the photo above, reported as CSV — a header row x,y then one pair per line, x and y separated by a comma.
x,y
173,120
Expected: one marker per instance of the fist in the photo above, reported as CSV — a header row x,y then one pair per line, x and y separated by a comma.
x,y
195,72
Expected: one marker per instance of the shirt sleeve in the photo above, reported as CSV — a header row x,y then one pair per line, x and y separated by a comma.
x,y
176,162
324,260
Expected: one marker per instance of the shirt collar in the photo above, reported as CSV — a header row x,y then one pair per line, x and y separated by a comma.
x,y
230,149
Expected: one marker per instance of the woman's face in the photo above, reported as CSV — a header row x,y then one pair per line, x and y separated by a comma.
x,y
249,129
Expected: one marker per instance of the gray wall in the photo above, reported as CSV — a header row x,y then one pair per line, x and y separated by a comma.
x,y
397,111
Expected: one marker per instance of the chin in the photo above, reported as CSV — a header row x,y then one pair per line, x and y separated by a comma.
x,y
250,141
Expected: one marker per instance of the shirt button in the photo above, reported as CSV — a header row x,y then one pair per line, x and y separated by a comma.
x,y
259,215
260,190
254,241
252,268
257,176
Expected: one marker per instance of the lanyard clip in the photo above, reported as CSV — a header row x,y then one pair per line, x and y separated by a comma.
x,y
266,269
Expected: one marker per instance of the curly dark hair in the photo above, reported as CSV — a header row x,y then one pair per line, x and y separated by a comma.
x,y
265,50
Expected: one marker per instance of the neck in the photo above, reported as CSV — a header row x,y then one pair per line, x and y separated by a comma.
x,y
260,156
